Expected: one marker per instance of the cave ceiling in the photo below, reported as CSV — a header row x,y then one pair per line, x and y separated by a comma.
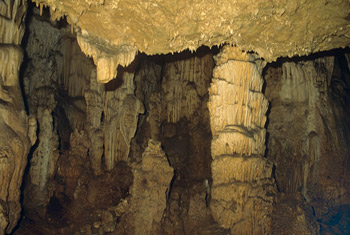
x,y
113,31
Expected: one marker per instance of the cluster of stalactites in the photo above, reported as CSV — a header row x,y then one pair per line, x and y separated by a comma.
x,y
185,86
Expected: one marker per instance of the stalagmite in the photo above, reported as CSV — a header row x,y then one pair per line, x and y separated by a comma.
x,y
94,109
41,83
242,189
44,160
152,177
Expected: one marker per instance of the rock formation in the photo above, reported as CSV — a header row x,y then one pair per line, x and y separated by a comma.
x,y
237,110
313,92
17,129
170,117
149,190
109,32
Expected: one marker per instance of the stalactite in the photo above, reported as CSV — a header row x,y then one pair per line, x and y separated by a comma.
x,y
106,61
242,190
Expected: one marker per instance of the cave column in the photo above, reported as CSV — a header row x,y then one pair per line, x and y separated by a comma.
x,y
15,126
242,189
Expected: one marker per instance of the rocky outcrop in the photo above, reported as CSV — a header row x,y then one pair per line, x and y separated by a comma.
x,y
112,31
243,189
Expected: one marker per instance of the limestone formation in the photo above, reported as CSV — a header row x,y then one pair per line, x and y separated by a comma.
x,y
150,189
16,134
243,188
185,135
111,31
130,136
121,117
40,83
313,93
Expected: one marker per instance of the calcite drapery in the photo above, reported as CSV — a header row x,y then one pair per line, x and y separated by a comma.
x,y
185,135
14,126
314,93
242,189
122,109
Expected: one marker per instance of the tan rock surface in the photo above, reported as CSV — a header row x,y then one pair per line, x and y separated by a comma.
x,y
111,31
243,188
14,127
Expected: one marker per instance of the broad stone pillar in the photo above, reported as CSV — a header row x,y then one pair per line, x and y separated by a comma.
x,y
242,189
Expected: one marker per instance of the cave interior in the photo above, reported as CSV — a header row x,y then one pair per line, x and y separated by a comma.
x,y
207,141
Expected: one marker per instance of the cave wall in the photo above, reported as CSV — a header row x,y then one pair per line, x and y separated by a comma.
x,y
308,131
79,121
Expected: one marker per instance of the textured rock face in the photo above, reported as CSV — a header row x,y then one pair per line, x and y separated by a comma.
x,y
71,107
111,31
92,135
310,145
79,121
243,188
14,126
